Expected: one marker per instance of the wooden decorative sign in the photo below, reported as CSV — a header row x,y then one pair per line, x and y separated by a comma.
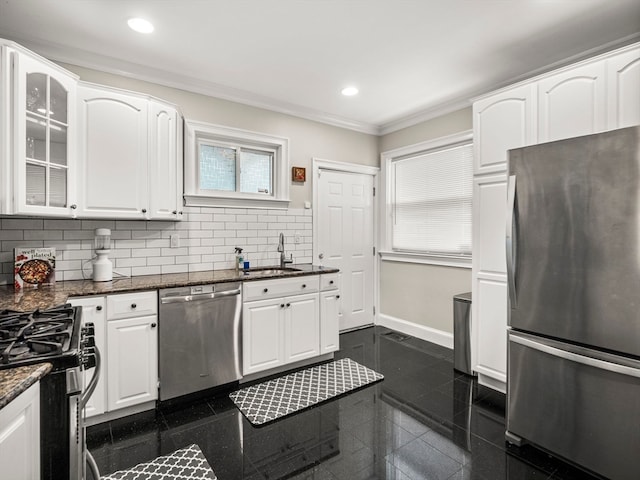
x,y
299,174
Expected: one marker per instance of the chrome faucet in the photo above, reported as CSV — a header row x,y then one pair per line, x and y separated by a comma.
x,y
283,258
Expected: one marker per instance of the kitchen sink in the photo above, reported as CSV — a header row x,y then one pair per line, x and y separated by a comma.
x,y
270,270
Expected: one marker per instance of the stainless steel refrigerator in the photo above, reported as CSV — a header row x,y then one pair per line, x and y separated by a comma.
x,y
573,261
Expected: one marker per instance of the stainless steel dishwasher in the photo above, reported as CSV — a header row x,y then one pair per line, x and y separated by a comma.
x,y
199,338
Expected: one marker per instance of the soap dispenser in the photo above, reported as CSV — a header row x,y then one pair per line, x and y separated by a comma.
x,y
239,259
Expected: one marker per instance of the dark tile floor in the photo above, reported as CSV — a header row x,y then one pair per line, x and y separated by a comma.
x,y
424,421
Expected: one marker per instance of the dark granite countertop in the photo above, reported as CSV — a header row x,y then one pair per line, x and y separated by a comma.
x,y
49,296
14,381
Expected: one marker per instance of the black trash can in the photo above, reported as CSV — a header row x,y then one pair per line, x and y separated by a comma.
x,y
462,333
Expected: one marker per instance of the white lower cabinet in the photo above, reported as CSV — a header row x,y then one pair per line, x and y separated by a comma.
x,y
329,313
284,322
127,335
279,331
20,436
301,327
262,335
132,365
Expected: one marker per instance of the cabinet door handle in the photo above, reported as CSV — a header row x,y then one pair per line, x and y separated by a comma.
x,y
73,206
133,305
282,305
304,285
144,210
265,290
337,296
175,212
153,325
288,305
330,282
99,307
180,212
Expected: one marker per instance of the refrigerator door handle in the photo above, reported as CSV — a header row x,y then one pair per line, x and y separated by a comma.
x,y
574,357
511,239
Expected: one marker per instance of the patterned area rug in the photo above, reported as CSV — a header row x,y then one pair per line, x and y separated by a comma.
x,y
273,399
185,464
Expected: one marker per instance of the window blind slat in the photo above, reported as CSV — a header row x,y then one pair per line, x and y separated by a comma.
x,y
432,201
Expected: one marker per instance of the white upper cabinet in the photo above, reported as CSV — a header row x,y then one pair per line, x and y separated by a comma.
x,y
165,161
623,83
39,135
131,149
500,122
573,103
113,139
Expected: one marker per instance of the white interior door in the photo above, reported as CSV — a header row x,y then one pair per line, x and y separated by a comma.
x,y
345,240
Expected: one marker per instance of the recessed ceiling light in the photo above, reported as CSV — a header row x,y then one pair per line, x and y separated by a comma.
x,y
349,91
140,25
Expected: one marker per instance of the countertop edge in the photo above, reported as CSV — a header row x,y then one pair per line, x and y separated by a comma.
x,y
60,292
14,381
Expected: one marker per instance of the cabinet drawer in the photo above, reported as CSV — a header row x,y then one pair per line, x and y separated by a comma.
x,y
128,305
277,288
329,281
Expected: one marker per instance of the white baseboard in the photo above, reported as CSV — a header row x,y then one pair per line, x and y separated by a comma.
x,y
444,339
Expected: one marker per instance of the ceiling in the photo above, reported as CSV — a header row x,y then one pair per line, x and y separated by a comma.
x,y
410,59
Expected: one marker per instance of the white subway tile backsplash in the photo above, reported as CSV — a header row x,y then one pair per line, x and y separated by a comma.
x,y
158,242
22,224
173,252
207,237
200,217
161,261
79,234
188,259
224,218
130,243
42,234
62,224
146,270
145,252
130,262
12,234
200,233
145,234
174,268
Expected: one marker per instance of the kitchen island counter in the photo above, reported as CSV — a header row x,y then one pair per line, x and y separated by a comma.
x,y
49,296
14,381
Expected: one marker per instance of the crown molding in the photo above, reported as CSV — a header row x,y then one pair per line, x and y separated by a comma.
x,y
107,64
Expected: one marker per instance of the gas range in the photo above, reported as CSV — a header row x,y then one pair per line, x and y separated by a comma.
x,y
55,336
51,335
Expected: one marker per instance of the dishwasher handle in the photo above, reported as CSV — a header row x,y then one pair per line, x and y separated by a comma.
x,y
199,297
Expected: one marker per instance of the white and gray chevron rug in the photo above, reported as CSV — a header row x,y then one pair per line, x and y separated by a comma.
x,y
273,399
184,464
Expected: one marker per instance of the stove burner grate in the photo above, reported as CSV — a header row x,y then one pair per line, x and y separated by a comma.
x,y
25,335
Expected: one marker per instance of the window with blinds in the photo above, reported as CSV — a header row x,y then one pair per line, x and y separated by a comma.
x,y
430,201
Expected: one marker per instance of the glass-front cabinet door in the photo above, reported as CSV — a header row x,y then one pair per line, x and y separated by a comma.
x,y
45,105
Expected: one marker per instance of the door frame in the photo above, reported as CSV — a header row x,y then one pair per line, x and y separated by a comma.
x,y
318,165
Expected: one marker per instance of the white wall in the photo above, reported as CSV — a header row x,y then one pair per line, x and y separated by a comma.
x,y
308,139
415,298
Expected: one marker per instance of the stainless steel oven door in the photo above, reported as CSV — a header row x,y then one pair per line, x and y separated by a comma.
x,y
76,424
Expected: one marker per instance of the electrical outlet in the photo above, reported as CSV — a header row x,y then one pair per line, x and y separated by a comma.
x,y
296,238
174,240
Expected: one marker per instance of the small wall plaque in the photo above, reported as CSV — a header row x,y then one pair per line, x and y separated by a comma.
x,y
299,174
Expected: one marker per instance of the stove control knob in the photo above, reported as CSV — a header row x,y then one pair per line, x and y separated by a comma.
x,y
89,358
88,329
